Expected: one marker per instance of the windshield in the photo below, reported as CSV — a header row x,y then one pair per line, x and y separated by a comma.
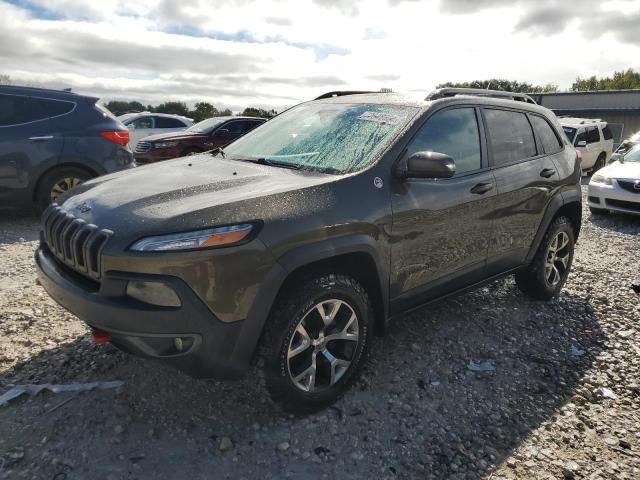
x,y
206,126
632,155
570,133
329,137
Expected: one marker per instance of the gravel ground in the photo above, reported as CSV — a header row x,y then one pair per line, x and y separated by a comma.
x,y
563,400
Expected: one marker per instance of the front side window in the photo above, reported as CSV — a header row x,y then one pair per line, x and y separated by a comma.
x,y
510,136
454,133
328,137
140,123
546,135
206,126
593,135
581,137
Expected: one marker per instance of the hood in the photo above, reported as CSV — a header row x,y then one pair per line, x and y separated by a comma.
x,y
182,135
195,192
622,170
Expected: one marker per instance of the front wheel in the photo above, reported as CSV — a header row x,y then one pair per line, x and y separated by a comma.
x,y
601,162
548,272
316,341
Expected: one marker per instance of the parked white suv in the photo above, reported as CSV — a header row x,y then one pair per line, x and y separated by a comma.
x,y
593,138
143,124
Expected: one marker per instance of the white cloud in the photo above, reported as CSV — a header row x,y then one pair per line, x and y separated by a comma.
x,y
278,52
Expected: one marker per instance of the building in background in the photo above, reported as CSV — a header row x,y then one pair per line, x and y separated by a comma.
x,y
619,108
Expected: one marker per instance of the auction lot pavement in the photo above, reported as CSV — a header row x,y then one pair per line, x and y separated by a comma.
x,y
562,402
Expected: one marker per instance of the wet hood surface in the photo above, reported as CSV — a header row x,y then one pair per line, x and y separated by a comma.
x,y
194,192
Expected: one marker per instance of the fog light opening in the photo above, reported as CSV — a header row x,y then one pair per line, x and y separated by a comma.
x,y
154,293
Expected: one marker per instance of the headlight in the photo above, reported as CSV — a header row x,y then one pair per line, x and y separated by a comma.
x,y
212,237
164,144
598,178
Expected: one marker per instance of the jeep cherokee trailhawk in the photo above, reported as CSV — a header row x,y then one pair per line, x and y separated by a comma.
x,y
303,238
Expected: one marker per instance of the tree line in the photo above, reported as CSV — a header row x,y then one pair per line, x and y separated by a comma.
x,y
201,110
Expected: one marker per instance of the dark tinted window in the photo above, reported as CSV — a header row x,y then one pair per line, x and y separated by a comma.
x,y
16,109
570,133
510,136
240,126
606,133
546,135
165,122
581,137
454,133
140,123
593,135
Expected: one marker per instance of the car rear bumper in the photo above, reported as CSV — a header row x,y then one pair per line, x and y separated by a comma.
x,y
613,197
190,337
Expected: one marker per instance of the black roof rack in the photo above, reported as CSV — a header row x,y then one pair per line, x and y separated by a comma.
x,y
339,93
478,92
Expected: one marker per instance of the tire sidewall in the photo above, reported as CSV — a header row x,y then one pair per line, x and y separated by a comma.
x,y
46,183
309,296
557,227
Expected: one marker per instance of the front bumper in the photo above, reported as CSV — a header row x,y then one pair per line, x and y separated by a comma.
x,y
207,347
613,197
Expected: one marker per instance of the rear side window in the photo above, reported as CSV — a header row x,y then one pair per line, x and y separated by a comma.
x,y
452,132
240,127
607,133
140,123
17,109
510,136
166,122
593,135
546,135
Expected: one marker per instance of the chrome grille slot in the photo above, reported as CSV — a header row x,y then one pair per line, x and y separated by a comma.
x,y
143,147
75,242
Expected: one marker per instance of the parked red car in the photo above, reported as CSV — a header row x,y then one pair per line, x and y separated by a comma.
x,y
205,135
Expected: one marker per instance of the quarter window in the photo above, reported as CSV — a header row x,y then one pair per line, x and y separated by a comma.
x,y
18,109
454,133
607,133
546,135
510,136
593,135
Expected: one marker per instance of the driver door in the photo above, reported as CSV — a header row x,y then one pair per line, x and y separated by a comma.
x,y
441,227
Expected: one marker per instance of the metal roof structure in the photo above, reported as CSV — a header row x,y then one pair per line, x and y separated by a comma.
x,y
605,101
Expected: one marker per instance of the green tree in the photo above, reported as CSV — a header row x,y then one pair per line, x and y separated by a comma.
x,y
622,80
119,107
258,112
502,84
225,113
202,111
5,79
175,108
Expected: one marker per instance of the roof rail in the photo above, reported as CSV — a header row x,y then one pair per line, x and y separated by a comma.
x,y
478,92
339,93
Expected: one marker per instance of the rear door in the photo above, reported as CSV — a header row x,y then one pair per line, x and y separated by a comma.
x,y
441,227
525,176
593,148
30,141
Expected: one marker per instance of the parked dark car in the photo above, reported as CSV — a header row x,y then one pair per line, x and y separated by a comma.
x,y
52,140
206,135
316,229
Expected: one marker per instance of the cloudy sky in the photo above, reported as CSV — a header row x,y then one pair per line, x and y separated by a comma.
x,y
276,53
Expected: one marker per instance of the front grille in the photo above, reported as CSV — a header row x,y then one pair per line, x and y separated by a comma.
x,y
622,204
73,241
143,147
630,185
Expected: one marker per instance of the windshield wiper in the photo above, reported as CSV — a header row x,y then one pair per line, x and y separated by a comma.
x,y
216,151
271,163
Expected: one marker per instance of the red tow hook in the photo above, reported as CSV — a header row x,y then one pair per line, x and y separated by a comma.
x,y
100,336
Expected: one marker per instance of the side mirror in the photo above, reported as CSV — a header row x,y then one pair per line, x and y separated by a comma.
x,y
430,165
582,143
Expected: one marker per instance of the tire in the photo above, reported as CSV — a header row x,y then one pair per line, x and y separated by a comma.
x,y
538,280
293,340
598,211
56,182
601,162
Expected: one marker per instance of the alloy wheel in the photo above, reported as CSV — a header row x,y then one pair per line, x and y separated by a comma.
x,y
557,260
323,345
62,186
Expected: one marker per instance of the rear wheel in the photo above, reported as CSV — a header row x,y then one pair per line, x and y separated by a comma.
x,y
57,182
316,341
548,272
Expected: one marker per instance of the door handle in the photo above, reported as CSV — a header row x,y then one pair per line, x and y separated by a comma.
x,y
547,172
482,188
41,139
